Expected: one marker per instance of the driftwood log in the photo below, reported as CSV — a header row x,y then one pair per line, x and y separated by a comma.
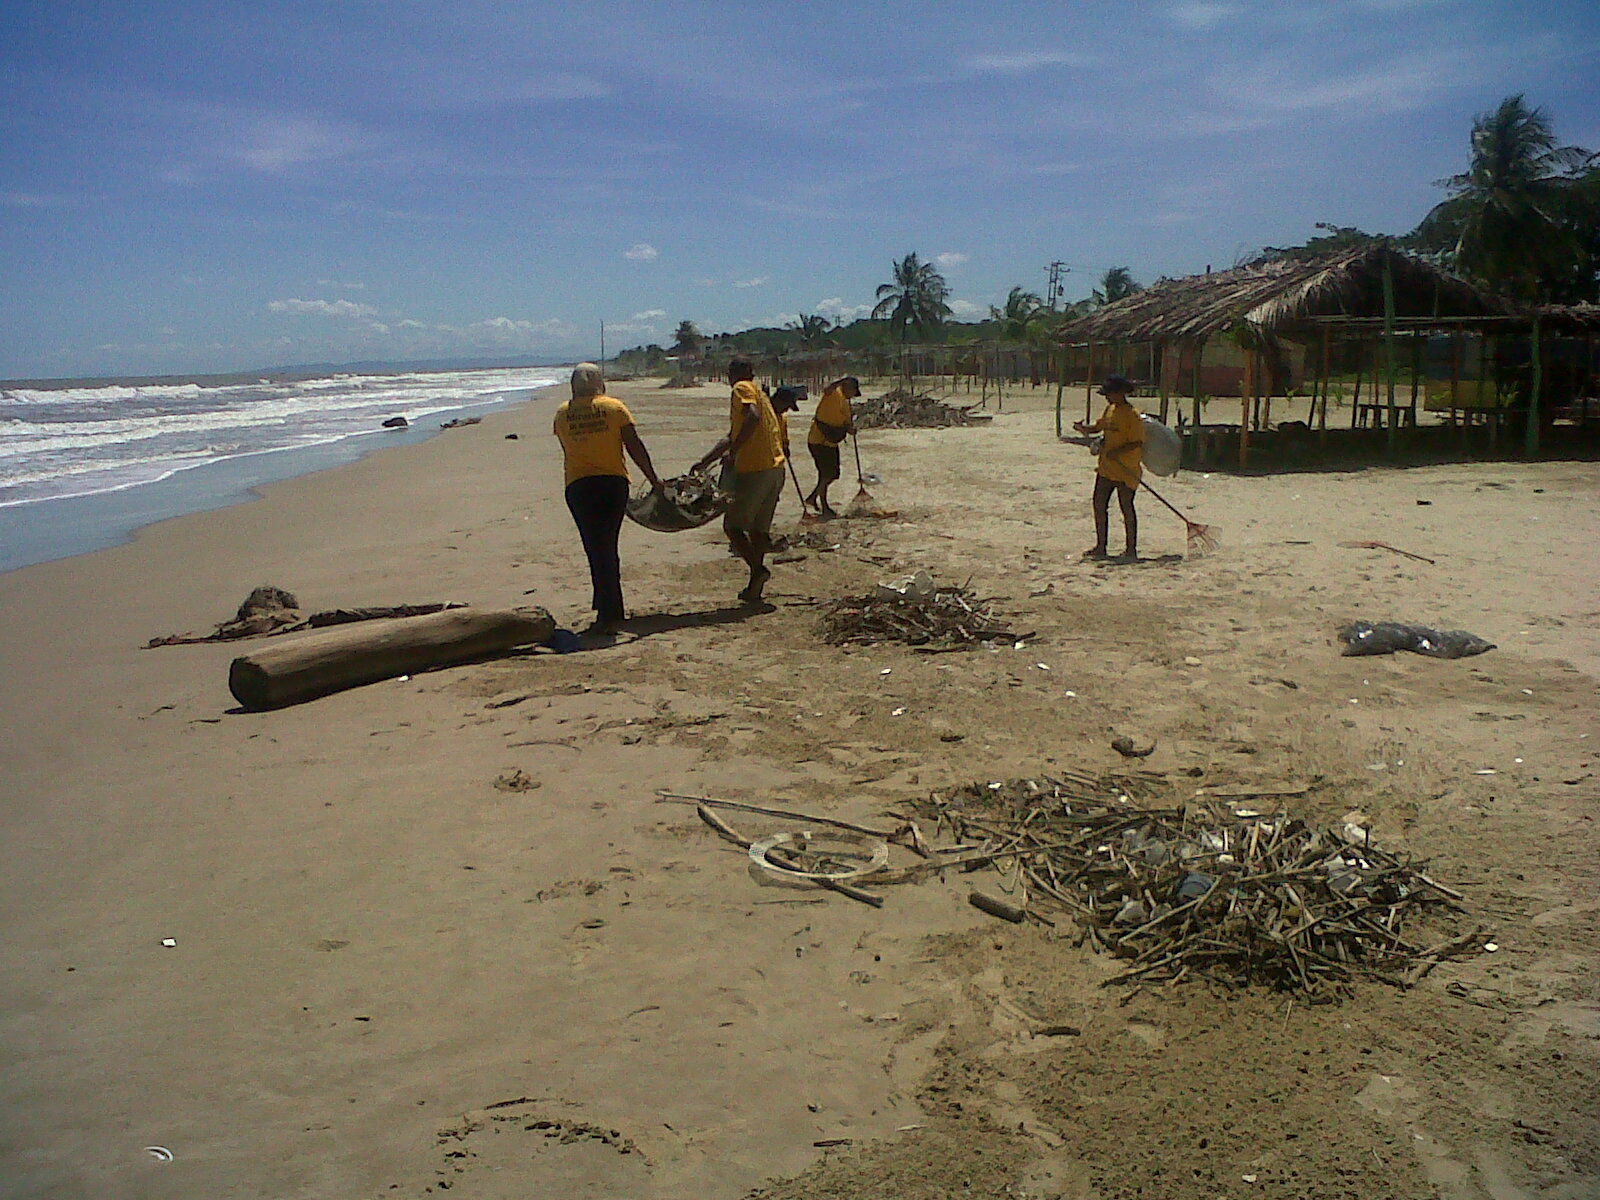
x,y
321,663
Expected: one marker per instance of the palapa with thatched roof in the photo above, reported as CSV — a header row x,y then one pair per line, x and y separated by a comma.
x,y
1289,299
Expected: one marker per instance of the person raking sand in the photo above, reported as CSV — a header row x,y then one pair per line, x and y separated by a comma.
x,y
1120,467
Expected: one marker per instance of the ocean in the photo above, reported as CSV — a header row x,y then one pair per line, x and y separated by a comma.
x,y
84,467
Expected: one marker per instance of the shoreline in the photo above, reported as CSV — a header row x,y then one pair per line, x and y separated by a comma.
x,y
59,527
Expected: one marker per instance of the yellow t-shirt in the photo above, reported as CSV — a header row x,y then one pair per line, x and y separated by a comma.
x,y
764,449
1124,430
832,409
590,430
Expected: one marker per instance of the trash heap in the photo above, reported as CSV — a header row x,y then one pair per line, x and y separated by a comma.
x,y
916,612
1209,890
899,408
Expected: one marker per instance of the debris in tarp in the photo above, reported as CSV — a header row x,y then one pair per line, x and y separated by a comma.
x,y
902,409
917,613
461,421
1385,637
687,502
1203,890
270,610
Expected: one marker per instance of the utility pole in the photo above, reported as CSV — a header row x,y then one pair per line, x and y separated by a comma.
x,y
602,341
1057,286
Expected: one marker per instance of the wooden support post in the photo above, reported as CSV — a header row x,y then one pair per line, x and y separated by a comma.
x,y
1418,345
1455,380
1088,387
1199,352
1388,350
1326,383
1061,385
1355,401
1484,372
1530,439
1246,394
1158,367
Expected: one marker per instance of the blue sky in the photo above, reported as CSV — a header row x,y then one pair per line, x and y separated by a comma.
x,y
217,186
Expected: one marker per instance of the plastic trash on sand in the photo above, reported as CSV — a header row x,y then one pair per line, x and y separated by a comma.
x,y
1162,447
1385,637
912,587
687,502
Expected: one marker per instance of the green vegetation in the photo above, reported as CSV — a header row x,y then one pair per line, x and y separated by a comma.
x,y
917,298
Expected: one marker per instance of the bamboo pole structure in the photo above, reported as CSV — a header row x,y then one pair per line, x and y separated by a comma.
x,y
1159,370
1455,380
1199,352
1483,377
1355,401
1088,387
1061,385
1322,424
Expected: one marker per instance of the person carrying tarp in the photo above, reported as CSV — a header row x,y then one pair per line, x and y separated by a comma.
x,y
834,421
755,446
594,429
1120,467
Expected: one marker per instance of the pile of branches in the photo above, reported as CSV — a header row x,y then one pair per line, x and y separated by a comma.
x,y
947,618
902,409
1209,891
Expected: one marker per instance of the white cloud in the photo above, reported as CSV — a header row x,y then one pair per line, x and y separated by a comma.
x,y
35,200
1201,14
837,310
642,252
336,283
950,258
966,308
1019,62
649,314
323,308
277,143
758,281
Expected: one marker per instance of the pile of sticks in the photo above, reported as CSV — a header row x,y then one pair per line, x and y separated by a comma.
x,y
947,618
901,409
1207,890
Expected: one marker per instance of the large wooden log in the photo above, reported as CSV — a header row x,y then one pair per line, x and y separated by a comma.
x,y
350,656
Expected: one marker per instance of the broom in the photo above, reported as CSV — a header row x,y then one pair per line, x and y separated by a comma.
x,y
1202,539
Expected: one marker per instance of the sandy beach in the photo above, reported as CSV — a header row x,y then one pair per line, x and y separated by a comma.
x,y
403,969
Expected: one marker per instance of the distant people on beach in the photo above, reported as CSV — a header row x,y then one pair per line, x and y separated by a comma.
x,y
1120,467
594,430
755,447
834,421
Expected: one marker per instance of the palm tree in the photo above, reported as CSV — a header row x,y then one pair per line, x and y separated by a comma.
x,y
813,331
917,299
1020,318
1515,218
688,340
1116,284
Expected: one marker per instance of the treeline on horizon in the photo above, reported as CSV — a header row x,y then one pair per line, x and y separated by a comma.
x,y
1523,220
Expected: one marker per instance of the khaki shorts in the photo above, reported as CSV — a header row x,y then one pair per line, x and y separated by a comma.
x,y
755,499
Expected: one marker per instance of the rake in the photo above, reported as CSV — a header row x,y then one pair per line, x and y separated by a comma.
x,y
863,505
807,517
1202,539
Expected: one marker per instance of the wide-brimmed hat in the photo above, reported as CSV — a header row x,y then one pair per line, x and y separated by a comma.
x,y
1117,385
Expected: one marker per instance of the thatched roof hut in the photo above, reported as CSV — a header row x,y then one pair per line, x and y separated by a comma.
x,y
1288,299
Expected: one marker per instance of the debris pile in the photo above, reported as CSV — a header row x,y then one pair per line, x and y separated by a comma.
x,y
1223,893
269,610
916,613
902,409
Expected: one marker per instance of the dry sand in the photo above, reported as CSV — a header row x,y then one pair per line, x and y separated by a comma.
x,y
393,977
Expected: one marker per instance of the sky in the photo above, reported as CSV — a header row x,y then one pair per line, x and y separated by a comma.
x,y
214,186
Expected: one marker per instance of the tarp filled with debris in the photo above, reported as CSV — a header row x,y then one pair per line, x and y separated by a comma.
x,y
902,409
687,502
916,612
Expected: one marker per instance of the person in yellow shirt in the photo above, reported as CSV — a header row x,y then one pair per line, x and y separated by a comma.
x,y
834,421
755,446
1120,467
594,429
